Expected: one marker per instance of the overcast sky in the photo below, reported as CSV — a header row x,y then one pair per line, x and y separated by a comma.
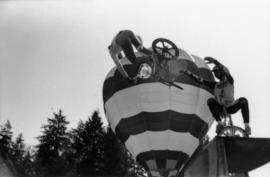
x,y
53,54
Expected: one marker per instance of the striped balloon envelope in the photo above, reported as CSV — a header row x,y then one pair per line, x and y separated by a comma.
x,y
160,125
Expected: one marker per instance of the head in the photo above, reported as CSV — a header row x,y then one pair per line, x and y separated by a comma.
x,y
218,72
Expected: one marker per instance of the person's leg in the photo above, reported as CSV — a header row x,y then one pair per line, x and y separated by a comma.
x,y
241,103
215,108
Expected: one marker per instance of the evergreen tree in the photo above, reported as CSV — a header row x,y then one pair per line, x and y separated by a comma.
x,y
53,147
6,138
76,147
18,151
118,161
77,143
29,165
115,157
19,147
23,160
88,145
135,170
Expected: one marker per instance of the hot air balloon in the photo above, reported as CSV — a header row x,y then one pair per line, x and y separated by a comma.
x,y
160,124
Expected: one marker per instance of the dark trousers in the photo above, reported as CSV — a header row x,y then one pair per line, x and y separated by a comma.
x,y
125,39
217,109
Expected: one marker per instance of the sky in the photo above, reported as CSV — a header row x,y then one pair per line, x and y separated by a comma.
x,y
53,54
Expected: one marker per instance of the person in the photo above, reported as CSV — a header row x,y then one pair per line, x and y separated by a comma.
x,y
224,101
123,41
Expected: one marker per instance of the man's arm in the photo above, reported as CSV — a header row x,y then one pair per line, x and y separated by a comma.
x,y
199,80
225,70
210,60
119,66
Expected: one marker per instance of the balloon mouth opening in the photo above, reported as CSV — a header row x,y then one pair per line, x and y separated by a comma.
x,y
163,172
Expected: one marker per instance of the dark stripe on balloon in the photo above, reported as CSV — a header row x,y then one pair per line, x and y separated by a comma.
x,y
161,157
117,83
160,121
